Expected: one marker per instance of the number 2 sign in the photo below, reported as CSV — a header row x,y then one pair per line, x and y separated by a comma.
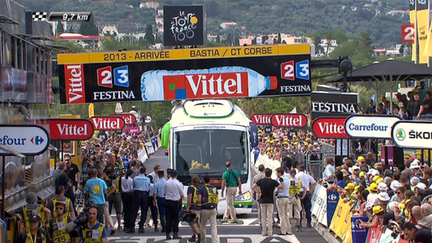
x,y
408,33
291,70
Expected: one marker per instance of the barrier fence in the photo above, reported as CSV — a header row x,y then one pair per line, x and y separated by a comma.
x,y
332,212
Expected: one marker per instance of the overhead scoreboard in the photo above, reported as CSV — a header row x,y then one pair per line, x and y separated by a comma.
x,y
157,75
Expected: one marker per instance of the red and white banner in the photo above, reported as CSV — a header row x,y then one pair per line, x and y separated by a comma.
x,y
261,119
289,120
329,127
107,123
70,129
128,118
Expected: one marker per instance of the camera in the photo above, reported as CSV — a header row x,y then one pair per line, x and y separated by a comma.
x,y
80,221
187,217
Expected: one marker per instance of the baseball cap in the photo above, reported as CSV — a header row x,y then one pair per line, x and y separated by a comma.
x,y
35,218
373,187
362,174
352,169
377,209
415,164
350,186
356,189
376,178
361,159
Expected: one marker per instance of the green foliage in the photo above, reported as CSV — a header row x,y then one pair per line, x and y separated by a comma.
x,y
88,27
71,45
149,34
59,29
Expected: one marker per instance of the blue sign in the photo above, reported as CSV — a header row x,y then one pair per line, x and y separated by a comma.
x,y
359,234
121,76
332,201
302,70
253,133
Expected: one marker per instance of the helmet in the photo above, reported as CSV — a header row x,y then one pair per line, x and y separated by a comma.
x,y
35,218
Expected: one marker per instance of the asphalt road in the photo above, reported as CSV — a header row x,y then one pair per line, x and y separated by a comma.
x,y
248,231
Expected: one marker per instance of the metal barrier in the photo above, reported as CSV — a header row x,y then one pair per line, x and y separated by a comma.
x,y
316,167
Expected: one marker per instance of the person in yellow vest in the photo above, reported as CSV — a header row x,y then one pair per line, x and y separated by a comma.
x,y
208,199
31,209
95,232
192,207
294,200
60,197
57,225
33,234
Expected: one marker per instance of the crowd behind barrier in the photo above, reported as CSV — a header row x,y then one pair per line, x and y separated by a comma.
x,y
362,199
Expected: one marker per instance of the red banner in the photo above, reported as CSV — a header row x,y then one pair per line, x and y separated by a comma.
x,y
70,129
329,127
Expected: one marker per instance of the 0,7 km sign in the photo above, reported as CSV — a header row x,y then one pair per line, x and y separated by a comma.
x,y
25,139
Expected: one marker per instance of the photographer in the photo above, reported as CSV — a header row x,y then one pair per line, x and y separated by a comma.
x,y
94,231
57,225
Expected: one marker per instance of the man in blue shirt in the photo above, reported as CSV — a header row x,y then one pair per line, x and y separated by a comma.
x,y
141,195
159,197
96,188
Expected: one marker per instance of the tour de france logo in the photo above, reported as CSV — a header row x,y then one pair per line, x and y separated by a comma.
x,y
183,26
400,134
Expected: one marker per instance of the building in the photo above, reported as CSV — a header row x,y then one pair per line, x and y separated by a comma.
x,y
154,5
26,71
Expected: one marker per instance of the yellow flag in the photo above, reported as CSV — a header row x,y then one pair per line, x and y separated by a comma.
x,y
91,110
422,28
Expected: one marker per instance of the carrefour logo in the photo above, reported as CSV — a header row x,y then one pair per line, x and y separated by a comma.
x,y
400,134
36,140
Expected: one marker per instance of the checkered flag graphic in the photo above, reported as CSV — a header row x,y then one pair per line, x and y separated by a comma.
x,y
39,16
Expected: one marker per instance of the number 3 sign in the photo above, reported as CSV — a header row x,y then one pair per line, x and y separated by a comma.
x,y
291,70
408,33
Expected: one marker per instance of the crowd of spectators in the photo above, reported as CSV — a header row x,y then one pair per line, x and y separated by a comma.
x,y
415,105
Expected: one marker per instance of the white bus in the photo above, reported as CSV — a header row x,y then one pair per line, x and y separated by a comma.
x,y
199,135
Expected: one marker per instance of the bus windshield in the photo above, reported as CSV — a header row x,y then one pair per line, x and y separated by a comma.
x,y
205,152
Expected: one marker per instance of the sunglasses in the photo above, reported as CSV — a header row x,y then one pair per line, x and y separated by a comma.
x,y
59,208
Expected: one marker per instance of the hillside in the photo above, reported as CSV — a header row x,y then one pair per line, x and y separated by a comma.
x,y
257,16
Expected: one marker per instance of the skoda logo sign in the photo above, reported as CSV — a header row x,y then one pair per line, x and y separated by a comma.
x,y
400,134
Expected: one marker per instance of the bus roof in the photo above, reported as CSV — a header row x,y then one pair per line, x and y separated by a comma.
x,y
214,111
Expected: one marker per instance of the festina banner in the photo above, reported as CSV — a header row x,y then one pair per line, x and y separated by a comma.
x,y
333,104
205,73
422,28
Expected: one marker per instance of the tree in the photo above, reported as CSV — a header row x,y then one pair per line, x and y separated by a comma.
x,y
59,29
316,38
218,40
88,27
279,38
149,34
365,39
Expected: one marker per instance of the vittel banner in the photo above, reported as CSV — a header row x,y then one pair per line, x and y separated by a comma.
x,y
70,129
178,74
261,119
412,134
365,126
329,127
289,120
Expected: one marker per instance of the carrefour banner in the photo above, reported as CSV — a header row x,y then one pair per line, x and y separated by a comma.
x,y
422,28
332,203
179,74
359,234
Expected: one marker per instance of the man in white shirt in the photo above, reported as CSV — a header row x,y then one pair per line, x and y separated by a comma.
x,y
173,196
328,173
309,184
